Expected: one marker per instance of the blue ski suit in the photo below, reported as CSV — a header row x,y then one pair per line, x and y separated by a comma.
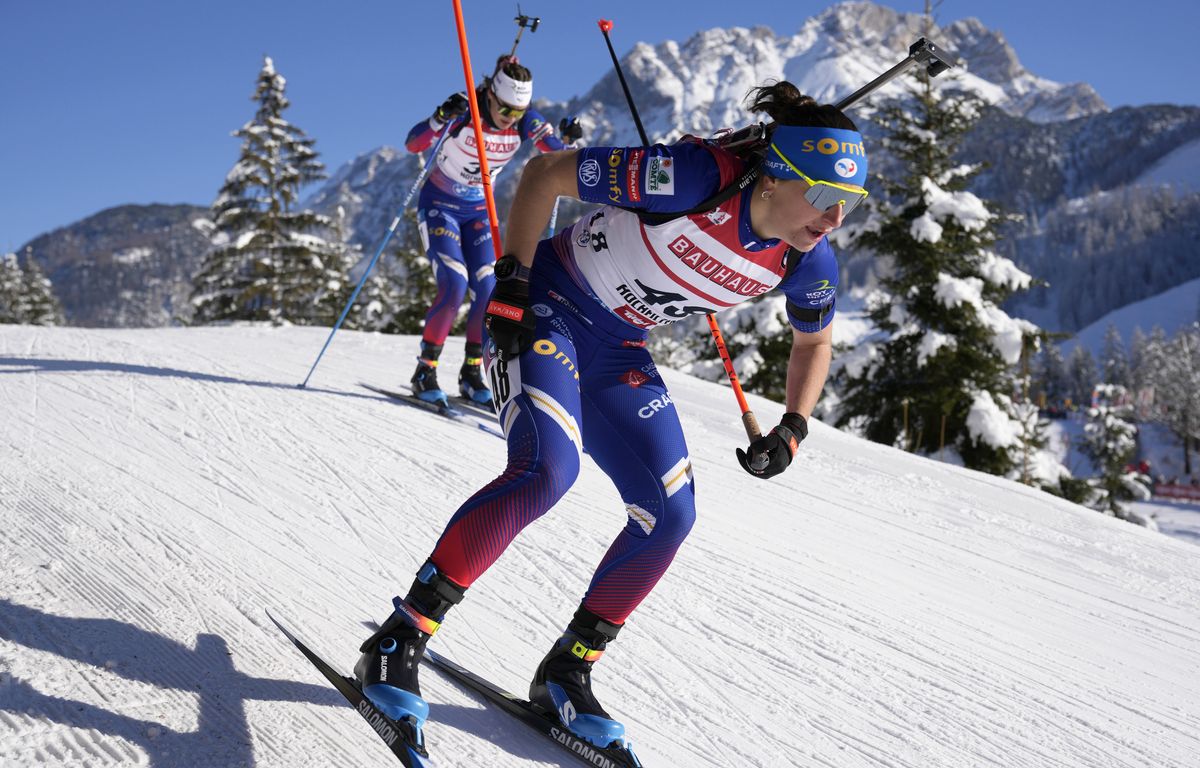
x,y
452,213
588,382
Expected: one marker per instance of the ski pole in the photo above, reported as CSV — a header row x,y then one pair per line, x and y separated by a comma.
x,y
485,174
606,27
748,419
387,238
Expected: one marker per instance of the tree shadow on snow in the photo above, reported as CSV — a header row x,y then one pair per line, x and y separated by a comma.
x,y
106,647
38,365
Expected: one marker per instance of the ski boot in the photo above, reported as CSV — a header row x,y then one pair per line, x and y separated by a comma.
x,y
562,687
470,377
387,669
424,380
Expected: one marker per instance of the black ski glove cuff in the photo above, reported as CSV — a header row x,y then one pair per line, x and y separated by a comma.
x,y
570,130
509,320
773,452
451,108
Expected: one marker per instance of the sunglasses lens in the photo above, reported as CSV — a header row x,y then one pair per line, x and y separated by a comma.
x,y
823,197
505,110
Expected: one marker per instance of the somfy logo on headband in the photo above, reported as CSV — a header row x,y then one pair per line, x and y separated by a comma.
x,y
817,152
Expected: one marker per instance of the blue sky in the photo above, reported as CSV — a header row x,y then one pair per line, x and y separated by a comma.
x,y
133,101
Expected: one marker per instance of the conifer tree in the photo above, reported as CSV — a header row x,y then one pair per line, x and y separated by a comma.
x,y
41,305
1052,379
1138,374
269,261
943,360
1177,386
1081,368
1110,441
26,295
398,294
12,290
1114,363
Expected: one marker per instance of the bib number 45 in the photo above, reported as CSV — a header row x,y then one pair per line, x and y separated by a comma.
x,y
670,303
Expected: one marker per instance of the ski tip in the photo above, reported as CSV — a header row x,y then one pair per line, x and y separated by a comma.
x,y
277,622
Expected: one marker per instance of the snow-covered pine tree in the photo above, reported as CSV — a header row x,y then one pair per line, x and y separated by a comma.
x,y
1052,382
1081,368
268,260
12,290
1177,386
26,295
945,348
1114,361
398,294
41,305
1137,374
1110,441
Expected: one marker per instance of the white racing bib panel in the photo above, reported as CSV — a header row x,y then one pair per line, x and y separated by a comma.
x,y
458,159
660,274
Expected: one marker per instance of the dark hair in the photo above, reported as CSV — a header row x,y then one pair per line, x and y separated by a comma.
x,y
787,106
509,66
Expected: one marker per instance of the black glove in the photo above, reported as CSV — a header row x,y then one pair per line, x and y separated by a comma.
x,y
509,320
772,453
451,108
570,130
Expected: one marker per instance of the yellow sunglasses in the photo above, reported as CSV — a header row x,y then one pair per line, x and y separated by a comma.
x,y
507,110
823,195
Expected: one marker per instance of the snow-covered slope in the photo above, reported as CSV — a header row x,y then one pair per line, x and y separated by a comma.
x,y
159,490
1179,169
1171,310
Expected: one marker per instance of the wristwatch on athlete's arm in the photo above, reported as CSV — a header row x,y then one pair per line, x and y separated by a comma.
x,y
509,320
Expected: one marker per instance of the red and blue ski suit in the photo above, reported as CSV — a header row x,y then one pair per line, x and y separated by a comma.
x,y
588,382
452,213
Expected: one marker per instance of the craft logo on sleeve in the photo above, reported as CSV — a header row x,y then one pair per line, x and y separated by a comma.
x,y
660,176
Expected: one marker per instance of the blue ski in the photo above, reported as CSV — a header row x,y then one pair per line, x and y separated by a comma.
x,y
615,755
442,409
405,740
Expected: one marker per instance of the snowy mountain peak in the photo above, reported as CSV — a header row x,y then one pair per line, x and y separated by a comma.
x,y
700,84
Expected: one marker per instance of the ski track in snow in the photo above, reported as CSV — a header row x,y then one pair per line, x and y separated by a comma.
x,y
159,490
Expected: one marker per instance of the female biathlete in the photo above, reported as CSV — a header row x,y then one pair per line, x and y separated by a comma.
x,y
452,213
568,321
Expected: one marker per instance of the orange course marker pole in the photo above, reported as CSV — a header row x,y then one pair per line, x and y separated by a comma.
x,y
748,419
477,124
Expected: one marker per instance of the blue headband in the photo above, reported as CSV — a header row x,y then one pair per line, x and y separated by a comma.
x,y
822,154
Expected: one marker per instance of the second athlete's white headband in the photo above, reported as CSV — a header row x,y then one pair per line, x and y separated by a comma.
x,y
516,93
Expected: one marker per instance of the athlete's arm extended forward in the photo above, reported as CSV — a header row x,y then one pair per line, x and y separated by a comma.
x,y
545,178
808,365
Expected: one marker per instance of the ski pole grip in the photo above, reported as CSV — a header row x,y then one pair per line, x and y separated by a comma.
x,y
751,425
605,25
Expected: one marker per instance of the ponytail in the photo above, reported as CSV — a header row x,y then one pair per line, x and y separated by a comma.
x,y
786,105
509,66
